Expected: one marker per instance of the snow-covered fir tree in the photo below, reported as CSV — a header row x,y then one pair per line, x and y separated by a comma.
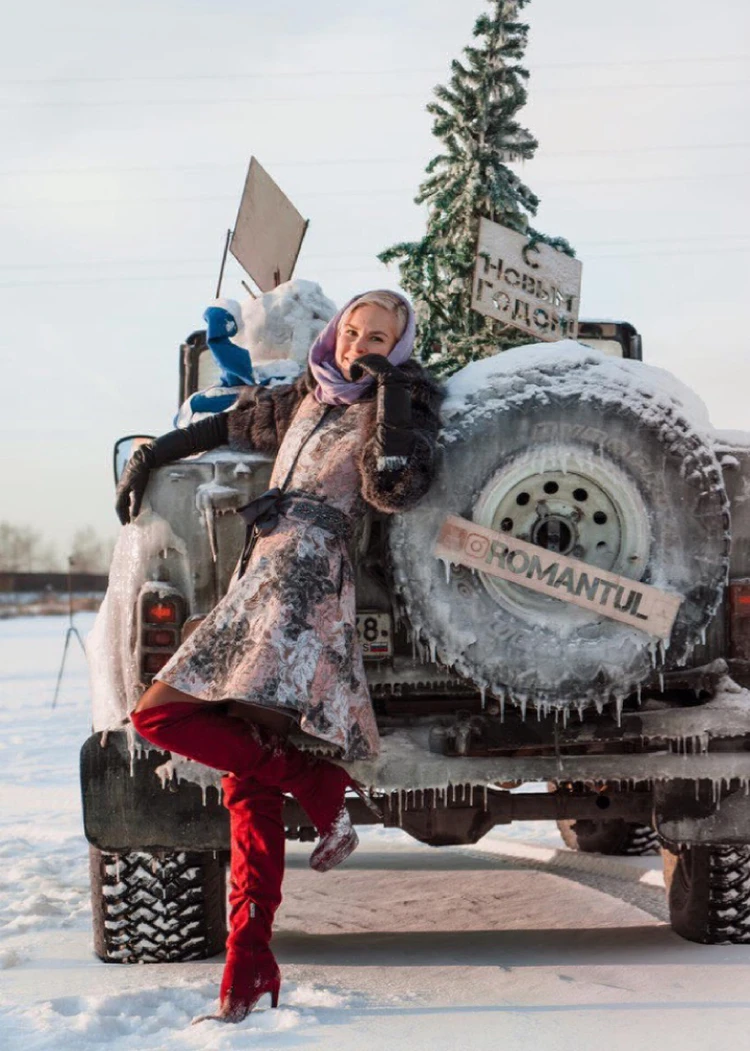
x,y
475,117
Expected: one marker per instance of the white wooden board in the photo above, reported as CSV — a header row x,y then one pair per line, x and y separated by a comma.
x,y
534,289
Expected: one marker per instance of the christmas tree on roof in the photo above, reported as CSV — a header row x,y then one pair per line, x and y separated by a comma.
x,y
475,117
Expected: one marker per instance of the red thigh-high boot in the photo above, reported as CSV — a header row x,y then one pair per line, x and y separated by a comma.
x,y
207,734
256,872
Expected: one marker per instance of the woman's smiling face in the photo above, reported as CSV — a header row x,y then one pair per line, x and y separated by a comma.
x,y
369,329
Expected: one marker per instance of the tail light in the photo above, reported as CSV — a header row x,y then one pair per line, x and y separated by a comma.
x,y
739,619
161,615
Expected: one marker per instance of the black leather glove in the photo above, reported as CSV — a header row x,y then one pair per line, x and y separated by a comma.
x,y
394,421
198,437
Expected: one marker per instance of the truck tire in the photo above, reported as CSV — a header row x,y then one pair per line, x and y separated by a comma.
x,y
157,908
586,456
609,837
708,891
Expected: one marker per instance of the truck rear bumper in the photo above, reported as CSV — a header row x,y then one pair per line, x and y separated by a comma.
x,y
440,800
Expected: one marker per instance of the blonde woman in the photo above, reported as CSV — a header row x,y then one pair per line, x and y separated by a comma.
x,y
280,649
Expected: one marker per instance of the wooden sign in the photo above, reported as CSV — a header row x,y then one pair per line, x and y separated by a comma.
x,y
533,288
268,232
568,579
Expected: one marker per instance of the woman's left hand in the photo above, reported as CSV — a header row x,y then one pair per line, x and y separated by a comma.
x,y
395,436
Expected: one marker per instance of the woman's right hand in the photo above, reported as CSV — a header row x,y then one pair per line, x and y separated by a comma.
x,y
132,484
185,441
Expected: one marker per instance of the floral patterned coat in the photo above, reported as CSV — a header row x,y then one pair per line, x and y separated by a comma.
x,y
284,635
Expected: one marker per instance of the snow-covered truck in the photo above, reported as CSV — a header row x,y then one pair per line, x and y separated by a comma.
x,y
594,494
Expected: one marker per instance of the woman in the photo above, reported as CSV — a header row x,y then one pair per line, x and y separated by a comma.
x,y
280,649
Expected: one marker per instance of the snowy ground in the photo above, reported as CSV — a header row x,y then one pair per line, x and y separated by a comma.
x,y
515,943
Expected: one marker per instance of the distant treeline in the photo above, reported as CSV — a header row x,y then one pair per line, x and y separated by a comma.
x,y
56,583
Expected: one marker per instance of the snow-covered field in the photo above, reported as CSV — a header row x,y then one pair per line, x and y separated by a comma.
x,y
515,943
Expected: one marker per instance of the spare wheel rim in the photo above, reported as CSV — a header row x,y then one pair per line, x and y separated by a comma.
x,y
568,500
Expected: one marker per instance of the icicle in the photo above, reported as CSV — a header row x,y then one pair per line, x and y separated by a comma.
x,y
618,710
524,702
638,694
661,682
652,653
483,696
208,515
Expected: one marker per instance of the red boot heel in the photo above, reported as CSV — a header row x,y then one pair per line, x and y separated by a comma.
x,y
243,985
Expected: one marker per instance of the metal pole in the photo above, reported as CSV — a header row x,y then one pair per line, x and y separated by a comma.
x,y
72,630
223,263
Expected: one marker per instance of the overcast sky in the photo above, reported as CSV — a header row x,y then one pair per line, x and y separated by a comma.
x,y
127,129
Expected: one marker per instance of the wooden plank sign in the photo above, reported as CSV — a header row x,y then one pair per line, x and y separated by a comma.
x,y
531,287
639,605
269,231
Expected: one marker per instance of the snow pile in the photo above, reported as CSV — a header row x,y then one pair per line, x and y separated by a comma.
x,y
732,439
282,324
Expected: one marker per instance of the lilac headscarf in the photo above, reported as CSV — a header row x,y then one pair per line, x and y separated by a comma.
x,y
332,388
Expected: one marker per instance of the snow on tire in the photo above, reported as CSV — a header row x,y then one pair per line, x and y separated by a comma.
x,y
150,908
595,458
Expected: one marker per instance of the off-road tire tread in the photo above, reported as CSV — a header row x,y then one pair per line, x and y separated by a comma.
x,y
609,837
149,908
715,908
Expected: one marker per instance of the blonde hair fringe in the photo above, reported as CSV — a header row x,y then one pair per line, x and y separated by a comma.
x,y
380,298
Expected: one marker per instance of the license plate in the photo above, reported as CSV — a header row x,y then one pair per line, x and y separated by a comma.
x,y
375,634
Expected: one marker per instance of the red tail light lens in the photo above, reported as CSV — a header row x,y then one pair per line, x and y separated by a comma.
x,y
161,638
154,662
160,612
739,619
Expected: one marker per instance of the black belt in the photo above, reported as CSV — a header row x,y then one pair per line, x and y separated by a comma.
x,y
262,515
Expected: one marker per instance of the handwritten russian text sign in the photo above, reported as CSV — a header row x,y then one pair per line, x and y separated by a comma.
x,y
531,287
568,579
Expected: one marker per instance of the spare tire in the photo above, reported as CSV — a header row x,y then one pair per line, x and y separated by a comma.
x,y
594,458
